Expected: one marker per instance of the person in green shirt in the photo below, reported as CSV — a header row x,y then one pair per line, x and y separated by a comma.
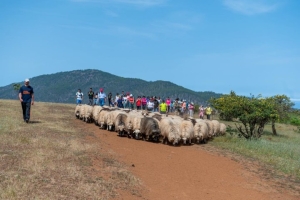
x,y
163,107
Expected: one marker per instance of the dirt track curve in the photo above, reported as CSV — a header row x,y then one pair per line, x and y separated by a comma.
x,y
185,172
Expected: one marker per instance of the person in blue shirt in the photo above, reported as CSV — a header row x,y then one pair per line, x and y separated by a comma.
x,y
27,99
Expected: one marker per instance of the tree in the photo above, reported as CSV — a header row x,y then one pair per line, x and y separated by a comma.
x,y
17,87
253,113
282,105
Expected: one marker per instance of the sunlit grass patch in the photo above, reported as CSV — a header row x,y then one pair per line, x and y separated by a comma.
x,y
281,152
48,158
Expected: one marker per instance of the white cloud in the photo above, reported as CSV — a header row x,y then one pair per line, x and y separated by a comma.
x,y
251,7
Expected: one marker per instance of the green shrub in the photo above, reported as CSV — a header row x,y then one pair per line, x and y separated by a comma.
x,y
295,121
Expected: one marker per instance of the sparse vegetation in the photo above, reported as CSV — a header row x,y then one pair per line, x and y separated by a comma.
x,y
49,158
282,152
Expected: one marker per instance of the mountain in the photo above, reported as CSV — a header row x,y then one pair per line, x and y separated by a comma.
x,y
61,87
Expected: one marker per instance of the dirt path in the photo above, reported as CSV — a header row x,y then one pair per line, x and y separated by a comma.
x,y
186,172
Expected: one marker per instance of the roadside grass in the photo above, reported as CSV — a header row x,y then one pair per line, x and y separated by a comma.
x,y
49,157
281,152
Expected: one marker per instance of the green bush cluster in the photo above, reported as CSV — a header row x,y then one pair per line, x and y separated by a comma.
x,y
295,121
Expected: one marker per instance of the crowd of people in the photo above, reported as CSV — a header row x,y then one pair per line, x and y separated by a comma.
x,y
150,103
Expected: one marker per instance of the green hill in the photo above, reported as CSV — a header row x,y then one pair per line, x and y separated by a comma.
x,y
61,87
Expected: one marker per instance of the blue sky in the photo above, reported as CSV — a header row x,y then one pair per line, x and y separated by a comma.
x,y
248,46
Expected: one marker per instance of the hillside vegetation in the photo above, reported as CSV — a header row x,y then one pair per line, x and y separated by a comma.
x,y
61,87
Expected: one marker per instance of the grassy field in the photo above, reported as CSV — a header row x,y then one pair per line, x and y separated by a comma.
x,y
49,158
281,152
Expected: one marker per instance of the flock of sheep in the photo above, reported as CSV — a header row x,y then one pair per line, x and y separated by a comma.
x,y
151,126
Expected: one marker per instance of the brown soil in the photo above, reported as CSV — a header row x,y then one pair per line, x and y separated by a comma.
x,y
188,172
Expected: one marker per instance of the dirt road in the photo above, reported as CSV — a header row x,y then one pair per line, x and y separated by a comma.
x,y
185,172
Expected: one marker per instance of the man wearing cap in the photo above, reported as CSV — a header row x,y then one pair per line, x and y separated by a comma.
x,y
26,98
101,97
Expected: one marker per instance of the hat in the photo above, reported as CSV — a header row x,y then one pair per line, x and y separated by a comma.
x,y
131,95
192,103
101,89
26,80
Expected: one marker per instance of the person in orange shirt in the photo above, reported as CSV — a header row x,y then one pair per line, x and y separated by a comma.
x,y
131,101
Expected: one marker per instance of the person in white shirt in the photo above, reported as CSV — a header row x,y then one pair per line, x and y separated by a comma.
x,y
150,105
79,97
101,97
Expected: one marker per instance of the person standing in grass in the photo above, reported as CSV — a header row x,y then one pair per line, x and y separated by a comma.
x,y
201,112
208,111
26,97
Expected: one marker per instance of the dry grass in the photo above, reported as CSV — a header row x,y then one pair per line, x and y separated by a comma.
x,y
49,158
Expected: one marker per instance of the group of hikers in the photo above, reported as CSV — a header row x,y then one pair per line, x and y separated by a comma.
x,y
150,103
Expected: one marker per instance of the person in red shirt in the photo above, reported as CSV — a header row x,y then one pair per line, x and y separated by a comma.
x,y
138,103
131,101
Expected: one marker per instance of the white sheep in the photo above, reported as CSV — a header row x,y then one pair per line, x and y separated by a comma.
x,y
132,124
82,111
102,119
96,111
169,130
88,113
186,131
200,131
222,129
77,111
111,118
216,125
120,123
210,128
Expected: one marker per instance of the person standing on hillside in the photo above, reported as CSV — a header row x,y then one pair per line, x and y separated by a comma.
x,y
101,97
27,99
201,112
208,111
79,97
91,96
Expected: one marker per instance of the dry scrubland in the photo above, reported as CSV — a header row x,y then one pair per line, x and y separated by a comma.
x,y
49,158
